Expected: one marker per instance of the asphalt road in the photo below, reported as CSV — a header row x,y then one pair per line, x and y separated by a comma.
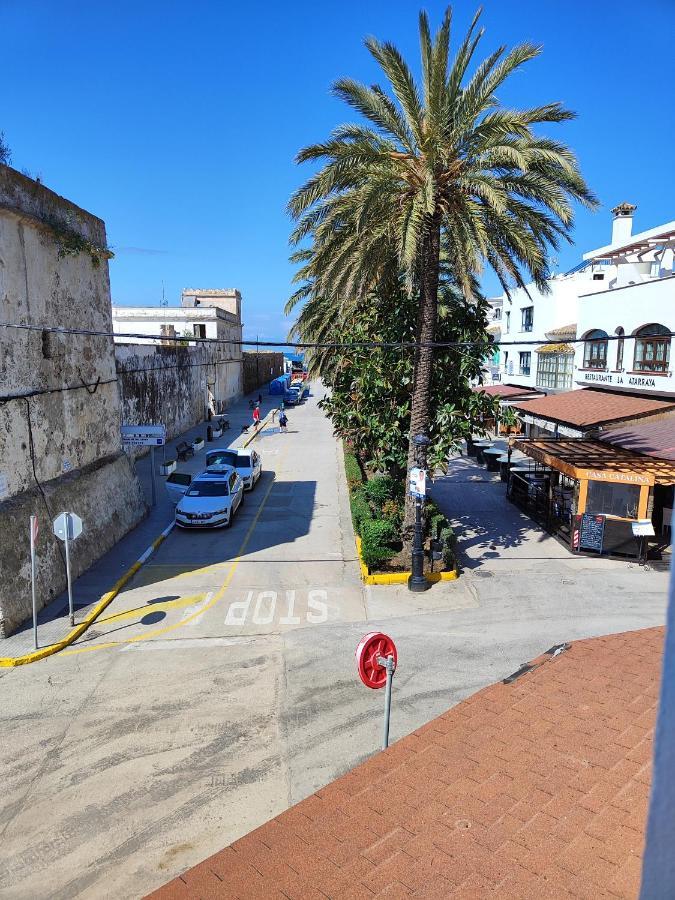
x,y
220,686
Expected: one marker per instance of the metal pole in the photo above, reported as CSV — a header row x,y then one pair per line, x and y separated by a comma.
x,y
70,586
32,580
152,479
388,664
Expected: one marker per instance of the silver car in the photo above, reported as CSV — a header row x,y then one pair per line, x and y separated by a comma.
x,y
211,500
248,464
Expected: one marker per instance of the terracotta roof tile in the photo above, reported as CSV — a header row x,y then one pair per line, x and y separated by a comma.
x,y
652,439
586,407
537,788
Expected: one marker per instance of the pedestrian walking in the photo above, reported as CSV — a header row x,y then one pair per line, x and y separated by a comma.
x,y
283,421
256,416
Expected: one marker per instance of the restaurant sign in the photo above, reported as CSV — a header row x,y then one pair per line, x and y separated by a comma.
x,y
617,477
618,380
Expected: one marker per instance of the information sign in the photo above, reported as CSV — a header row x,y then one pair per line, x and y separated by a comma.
x,y
591,532
418,483
143,435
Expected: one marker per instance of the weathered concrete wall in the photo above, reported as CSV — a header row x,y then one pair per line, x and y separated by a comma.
x,y
104,494
261,368
170,386
44,436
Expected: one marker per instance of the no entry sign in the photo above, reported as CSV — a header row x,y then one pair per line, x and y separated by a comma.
x,y
374,646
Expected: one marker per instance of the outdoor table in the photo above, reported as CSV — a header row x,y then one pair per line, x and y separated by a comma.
x,y
504,467
492,456
481,447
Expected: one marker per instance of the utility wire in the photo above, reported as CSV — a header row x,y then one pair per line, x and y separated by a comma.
x,y
354,345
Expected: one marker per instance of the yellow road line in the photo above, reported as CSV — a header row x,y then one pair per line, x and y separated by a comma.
x,y
106,600
141,611
217,597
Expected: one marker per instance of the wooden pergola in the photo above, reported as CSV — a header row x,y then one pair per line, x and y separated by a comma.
x,y
585,461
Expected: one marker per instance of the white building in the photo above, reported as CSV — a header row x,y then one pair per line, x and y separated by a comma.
x,y
540,327
627,325
619,290
492,370
213,313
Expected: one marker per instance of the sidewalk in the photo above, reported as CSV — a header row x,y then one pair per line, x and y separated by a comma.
x,y
536,786
53,624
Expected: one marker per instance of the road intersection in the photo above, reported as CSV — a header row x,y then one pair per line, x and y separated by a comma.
x,y
219,687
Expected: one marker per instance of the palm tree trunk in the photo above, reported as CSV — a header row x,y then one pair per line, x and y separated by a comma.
x,y
426,331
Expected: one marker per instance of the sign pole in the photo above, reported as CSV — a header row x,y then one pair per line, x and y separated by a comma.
x,y
152,482
70,587
388,663
33,534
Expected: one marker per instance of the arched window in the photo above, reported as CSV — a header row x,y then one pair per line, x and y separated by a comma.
x,y
619,349
595,349
652,348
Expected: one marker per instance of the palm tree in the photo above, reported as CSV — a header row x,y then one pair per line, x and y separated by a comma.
x,y
440,171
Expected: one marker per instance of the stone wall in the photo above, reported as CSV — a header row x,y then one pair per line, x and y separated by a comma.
x,y
59,402
171,385
261,368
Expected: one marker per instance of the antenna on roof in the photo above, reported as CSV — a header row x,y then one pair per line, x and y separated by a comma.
x,y
163,301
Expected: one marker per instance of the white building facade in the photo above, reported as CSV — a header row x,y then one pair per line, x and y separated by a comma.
x,y
621,298
628,325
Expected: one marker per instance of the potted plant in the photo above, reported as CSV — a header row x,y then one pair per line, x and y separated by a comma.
x,y
198,444
167,466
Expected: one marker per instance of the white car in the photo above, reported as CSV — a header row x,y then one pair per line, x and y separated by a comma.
x,y
248,463
211,500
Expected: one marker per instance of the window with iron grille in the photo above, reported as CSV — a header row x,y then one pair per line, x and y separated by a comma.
x,y
595,350
525,360
652,348
528,318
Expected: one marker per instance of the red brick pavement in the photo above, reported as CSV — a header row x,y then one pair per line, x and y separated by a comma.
x,y
533,789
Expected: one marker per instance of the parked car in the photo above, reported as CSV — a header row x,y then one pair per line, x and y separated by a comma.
x,y
177,484
211,500
248,464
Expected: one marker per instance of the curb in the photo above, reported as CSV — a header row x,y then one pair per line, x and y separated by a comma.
x,y
258,430
92,615
397,577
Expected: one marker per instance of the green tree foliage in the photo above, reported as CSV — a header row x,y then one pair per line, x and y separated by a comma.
x,y
371,390
433,170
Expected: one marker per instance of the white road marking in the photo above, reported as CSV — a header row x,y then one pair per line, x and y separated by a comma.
x,y
186,643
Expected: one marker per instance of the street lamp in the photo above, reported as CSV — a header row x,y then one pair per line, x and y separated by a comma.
x,y
417,582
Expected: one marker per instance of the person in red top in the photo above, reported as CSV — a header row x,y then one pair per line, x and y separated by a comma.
x,y
256,415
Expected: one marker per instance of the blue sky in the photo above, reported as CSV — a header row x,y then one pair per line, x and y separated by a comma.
x,y
178,122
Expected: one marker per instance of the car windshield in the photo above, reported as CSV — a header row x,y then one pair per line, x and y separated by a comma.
x,y
223,458
243,462
209,489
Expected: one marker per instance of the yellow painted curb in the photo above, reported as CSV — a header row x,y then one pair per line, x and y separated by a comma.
x,y
397,577
92,615
258,430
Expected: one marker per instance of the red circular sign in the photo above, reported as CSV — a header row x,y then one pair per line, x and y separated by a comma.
x,y
372,645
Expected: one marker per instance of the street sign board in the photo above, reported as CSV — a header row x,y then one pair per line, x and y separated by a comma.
x,y
373,646
67,525
143,435
418,482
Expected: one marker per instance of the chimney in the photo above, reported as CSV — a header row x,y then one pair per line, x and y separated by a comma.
x,y
622,226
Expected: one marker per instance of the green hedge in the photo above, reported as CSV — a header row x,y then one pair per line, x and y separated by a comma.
x,y
352,471
360,509
376,536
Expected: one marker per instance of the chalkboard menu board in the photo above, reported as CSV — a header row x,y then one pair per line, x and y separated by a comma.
x,y
591,532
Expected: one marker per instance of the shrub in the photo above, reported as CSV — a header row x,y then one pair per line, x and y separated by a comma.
x,y
376,535
393,512
352,471
383,488
360,509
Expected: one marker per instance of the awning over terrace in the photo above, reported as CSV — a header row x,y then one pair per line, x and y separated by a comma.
x,y
594,461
